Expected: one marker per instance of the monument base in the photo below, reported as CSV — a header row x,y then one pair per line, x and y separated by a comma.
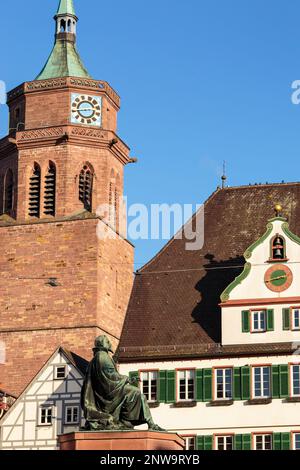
x,y
121,440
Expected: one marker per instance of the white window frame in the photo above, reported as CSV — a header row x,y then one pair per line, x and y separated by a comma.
x,y
73,422
151,379
293,311
188,440
294,440
223,370
263,436
225,442
292,380
262,395
47,409
56,372
260,313
186,371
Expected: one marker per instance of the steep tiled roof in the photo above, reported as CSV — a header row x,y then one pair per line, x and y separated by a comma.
x,y
174,302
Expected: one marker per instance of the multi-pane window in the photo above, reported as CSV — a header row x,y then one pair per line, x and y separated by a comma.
x,y
46,416
295,369
186,383
190,443
262,382
263,441
224,384
224,443
296,318
60,372
72,415
296,439
149,385
259,321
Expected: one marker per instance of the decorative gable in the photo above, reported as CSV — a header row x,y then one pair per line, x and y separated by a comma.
x,y
264,298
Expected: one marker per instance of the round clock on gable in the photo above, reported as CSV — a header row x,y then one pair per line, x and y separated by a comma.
x,y
86,110
278,278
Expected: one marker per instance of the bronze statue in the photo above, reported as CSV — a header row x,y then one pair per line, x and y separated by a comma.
x,y
111,401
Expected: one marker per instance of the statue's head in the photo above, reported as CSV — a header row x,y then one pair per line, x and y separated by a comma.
x,y
102,343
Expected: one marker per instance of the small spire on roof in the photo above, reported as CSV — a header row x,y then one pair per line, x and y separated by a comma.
x,y
66,7
224,177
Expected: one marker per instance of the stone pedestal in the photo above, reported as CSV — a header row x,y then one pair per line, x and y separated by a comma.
x,y
121,440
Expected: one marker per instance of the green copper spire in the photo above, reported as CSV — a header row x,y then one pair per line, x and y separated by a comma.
x,y
66,7
64,60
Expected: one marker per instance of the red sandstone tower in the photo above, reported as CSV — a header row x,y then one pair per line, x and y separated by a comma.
x,y
61,283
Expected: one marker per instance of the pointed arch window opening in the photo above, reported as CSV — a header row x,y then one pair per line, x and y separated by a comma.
x,y
63,27
50,191
86,178
8,192
35,192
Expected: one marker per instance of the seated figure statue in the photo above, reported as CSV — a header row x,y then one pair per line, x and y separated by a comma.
x,y
111,401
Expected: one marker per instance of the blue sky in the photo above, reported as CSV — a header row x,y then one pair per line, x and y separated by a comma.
x,y
201,81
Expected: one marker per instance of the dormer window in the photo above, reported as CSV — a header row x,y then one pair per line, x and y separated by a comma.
x,y
278,250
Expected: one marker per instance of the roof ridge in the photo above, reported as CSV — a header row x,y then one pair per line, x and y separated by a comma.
x,y
212,195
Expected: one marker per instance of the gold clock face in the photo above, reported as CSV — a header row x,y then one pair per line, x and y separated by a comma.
x,y
86,110
278,278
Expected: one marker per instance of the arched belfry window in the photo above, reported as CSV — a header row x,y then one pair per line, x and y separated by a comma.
x,y
8,192
50,191
35,192
63,26
278,251
86,178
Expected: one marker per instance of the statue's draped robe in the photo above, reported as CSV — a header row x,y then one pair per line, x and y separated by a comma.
x,y
107,394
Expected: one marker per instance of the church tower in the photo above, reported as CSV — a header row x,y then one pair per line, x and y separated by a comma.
x,y
61,180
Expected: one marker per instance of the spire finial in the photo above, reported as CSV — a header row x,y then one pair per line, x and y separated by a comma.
x,y
224,177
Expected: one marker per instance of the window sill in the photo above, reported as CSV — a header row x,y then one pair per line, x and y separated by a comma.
x,y
259,401
153,404
283,260
221,403
185,404
293,400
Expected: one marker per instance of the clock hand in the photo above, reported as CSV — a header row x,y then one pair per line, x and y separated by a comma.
x,y
276,278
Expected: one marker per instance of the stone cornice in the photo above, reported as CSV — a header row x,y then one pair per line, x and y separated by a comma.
x,y
63,83
76,135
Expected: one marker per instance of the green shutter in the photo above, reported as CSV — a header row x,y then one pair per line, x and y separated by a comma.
x,y
275,382
277,441
208,442
246,393
246,442
237,384
246,321
171,386
285,441
238,442
134,375
207,384
200,443
199,384
162,386
270,320
284,380
286,319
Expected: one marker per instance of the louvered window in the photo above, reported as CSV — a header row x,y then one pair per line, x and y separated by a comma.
x,y
86,187
50,191
9,192
35,192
